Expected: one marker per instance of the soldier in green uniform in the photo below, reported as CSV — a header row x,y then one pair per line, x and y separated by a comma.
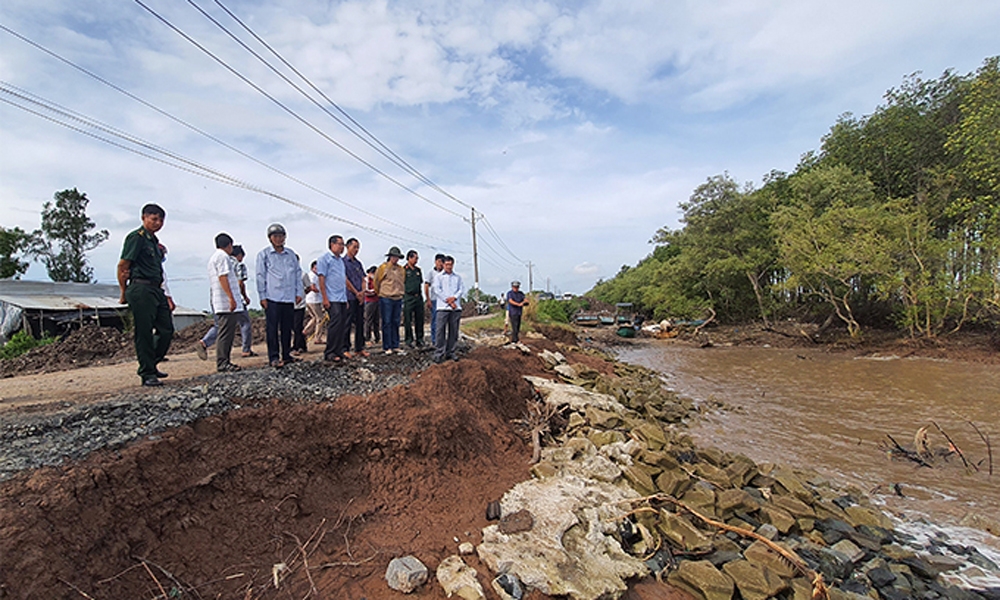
x,y
140,275
413,304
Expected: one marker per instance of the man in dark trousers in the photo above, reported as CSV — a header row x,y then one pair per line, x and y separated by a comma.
x,y
413,301
355,274
333,290
140,277
448,292
515,306
279,288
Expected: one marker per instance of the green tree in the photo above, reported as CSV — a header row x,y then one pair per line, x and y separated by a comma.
x,y
66,237
832,239
15,247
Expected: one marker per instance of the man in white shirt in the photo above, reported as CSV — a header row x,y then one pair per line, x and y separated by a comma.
x,y
226,303
448,292
429,292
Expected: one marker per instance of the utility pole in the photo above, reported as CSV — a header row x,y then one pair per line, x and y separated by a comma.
x,y
475,254
547,282
531,285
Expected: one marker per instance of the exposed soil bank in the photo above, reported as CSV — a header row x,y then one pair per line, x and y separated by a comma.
x,y
212,506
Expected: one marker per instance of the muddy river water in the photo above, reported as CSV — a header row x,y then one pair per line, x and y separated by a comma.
x,y
830,412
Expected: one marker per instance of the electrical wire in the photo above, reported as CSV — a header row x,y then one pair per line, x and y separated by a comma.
x,y
294,114
179,161
215,139
368,138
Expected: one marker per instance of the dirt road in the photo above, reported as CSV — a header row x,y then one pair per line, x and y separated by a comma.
x,y
94,383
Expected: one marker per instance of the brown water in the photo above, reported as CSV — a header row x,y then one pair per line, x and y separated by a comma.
x,y
829,412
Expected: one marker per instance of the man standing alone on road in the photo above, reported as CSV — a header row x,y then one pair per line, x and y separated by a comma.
x,y
226,303
140,277
448,291
515,306
413,304
333,288
279,287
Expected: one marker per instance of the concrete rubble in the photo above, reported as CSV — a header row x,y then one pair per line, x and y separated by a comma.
x,y
621,450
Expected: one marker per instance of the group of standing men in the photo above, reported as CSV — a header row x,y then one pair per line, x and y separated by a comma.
x,y
337,292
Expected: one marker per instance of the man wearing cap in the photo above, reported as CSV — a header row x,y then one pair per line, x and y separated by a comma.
x,y
448,292
333,290
279,287
515,305
429,294
140,277
413,305
390,281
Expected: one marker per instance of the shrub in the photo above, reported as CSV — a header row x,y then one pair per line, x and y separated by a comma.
x,y
21,342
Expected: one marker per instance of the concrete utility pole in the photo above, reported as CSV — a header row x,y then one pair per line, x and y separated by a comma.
x,y
531,285
475,253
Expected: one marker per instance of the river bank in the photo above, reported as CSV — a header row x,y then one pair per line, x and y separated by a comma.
x,y
332,472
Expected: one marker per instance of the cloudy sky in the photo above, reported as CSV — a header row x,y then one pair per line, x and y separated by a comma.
x,y
576,128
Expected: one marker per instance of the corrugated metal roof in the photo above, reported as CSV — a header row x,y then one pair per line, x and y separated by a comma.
x,y
64,296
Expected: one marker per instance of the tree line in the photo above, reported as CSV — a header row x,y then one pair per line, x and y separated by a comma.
x,y
62,243
893,222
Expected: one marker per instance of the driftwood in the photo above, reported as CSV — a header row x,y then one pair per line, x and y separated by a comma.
x,y
820,591
897,450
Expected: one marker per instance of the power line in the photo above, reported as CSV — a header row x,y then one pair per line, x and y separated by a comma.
x,y
294,114
375,143
179,162
215,139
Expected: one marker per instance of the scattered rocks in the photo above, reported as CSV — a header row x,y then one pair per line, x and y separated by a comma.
x,y
459,579
406,574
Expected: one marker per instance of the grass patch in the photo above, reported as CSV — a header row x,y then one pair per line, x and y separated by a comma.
x,y
493,324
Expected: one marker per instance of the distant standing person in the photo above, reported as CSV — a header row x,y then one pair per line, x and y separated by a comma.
x,y
516,302
140,277
448,292
355,274
373,323
333,288
279,287
389,284
413,304
315,326
429,294
225,302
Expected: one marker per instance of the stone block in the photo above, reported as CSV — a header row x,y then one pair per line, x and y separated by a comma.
x,y
728,502
759,554
659,459
459,579
652,435
793,506
860,515
406,574
701,499
791,483
713,474
674,482
602,418
849,549
753,582
681,532
778,517
640,480
702,579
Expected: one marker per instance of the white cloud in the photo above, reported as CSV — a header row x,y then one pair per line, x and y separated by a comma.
x,y
587,268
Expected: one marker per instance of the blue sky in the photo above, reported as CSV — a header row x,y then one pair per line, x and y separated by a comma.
x,y
575,127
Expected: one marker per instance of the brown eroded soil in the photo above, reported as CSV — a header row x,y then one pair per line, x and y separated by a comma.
x,y
212,507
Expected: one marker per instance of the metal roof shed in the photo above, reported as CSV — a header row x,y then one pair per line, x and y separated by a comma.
x,y
54,307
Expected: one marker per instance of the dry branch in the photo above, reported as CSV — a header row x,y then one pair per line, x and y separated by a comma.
x,y
157,581
896,449
76,589
986,440
954,447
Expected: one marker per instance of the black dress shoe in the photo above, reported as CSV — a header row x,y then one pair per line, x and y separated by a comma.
x,y
161,374
151,382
